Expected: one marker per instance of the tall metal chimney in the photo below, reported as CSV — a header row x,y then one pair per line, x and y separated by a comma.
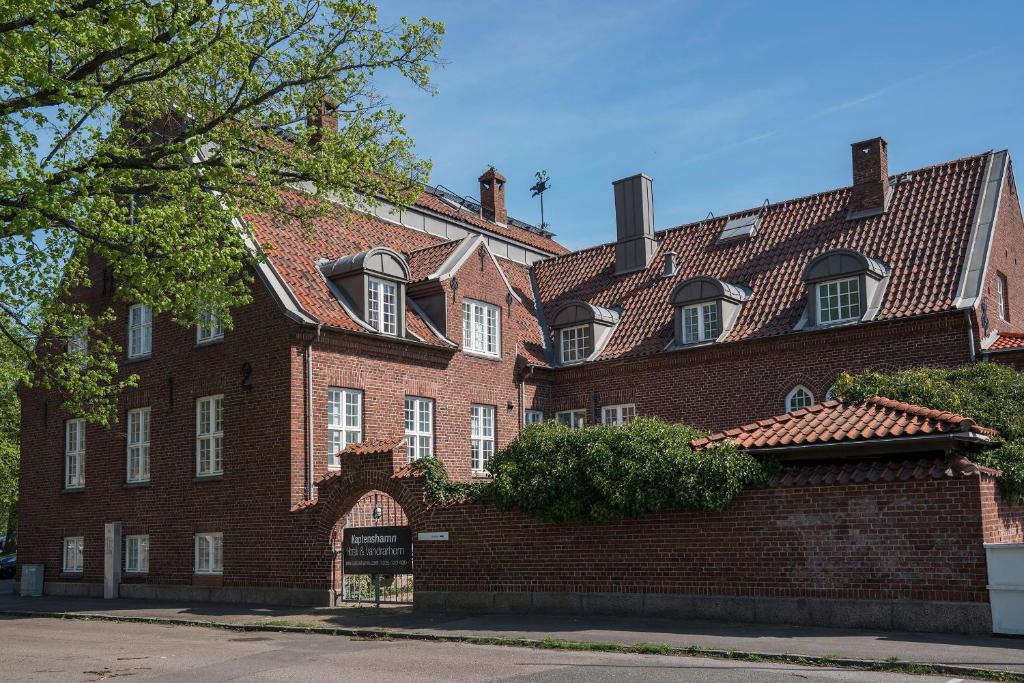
x,y
634,223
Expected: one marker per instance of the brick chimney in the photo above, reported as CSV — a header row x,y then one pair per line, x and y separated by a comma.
x,y
634,223
870,193
323,116
492,196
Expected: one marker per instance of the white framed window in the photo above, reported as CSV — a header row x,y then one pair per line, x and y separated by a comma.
x,y
838,301
481,436
78,348
209,554
74,454
700,322
618,415
209,436
74,548
1001,296
140,331
533,417
573,419
799,397
481,328
138,445
419,427
382,306
209,327
136,554
575,343
344,422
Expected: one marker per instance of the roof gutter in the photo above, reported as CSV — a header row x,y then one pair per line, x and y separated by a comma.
x,y
921,442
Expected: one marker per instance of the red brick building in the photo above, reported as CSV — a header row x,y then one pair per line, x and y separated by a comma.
x,y
447,325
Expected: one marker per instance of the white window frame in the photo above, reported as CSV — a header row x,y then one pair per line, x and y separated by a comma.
x,y
209,553
78,348
381,313
74,454
838,295
211,435
419,427
533,417
794,393
1001,296
209,327
573,419
344,422
618,415
481,328
136,559
73,549
140,331
573,342
481,428
706,314
137,426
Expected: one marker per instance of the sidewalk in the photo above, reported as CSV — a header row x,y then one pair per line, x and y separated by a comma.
x,y
1006,654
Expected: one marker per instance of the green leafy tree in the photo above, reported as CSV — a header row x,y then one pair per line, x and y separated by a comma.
x,y
992,395
136,131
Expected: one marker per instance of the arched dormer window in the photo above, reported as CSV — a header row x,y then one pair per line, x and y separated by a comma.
x,y
373,282
799,397
843,286
581,330
705,309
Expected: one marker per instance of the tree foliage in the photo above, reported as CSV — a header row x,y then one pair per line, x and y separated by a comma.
x,y
603,473
990,394
137,131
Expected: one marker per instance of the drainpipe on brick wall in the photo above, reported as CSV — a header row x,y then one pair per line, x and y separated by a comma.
x,y
308,359
970,334
522,395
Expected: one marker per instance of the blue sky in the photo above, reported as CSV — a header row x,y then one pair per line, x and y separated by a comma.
x,y
724,104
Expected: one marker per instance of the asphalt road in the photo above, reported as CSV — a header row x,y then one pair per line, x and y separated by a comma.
x,y
43,649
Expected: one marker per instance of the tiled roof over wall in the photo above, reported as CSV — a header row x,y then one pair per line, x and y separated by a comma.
x,y
923,239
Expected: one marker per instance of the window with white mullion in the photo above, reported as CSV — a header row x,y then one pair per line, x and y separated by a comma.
x,y
74,549
838,300
78,348
419,427
74,454
700,322
344,422
482,436
573,419
138,445
140,331
382,306
209,327
799,397
136,554
209,436
209,554
1001,296
481,328
533,417
575,343
618,415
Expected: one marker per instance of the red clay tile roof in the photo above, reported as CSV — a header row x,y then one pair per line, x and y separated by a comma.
x,y
922,238
878,471
437,205
373,446
833,422
1007,341
425,261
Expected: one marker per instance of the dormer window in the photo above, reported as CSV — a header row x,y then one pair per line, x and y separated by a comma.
x,y
371,286
576,343
382,306
843,286
706,309
581,330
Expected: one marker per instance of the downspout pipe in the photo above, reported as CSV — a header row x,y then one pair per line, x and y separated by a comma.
x,y
970,335
308,360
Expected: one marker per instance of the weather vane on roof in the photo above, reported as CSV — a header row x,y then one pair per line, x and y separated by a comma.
x,y
539,188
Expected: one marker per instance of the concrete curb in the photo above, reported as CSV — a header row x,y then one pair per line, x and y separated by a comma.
x,y
924,668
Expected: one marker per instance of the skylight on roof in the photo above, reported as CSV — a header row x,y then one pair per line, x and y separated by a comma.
x,y
739,227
